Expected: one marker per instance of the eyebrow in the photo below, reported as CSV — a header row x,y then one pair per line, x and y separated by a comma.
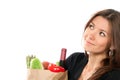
x,y
92,23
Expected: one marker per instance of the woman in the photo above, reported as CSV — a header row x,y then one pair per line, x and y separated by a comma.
x,y
101,60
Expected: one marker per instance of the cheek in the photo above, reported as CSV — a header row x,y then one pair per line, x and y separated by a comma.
x,y
104,44
85,35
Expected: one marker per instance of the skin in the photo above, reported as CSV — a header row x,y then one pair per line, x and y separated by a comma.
x,y
96,43
97,36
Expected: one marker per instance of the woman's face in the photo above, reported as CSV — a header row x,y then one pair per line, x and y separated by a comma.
x,y
97,36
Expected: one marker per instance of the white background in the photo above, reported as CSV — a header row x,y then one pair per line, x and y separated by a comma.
x,y
42,28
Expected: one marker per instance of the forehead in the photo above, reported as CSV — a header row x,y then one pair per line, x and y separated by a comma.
x,y
101,23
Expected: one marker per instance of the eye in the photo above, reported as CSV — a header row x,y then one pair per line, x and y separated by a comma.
x,y
102,34
91,26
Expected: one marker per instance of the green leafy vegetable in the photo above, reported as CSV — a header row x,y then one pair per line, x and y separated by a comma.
x,y
36,64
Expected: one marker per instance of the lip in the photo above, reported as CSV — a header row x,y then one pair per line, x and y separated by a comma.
x,y
88,42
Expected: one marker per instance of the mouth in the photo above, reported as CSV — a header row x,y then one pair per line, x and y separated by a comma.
x,y
89,43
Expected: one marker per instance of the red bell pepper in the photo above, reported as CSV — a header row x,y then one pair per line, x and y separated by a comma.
x,y
54,68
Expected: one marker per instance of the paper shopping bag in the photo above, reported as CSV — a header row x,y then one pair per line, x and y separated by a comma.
x,y
37,74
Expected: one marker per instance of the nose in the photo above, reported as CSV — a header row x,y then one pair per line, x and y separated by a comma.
x,y
91,35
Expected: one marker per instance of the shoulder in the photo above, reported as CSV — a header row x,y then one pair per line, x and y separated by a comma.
x,y
112,75
77,54
76,57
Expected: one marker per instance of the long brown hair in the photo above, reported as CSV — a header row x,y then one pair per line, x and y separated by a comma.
x,y
111,62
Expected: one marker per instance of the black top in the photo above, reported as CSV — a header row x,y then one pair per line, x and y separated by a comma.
x,y
76,62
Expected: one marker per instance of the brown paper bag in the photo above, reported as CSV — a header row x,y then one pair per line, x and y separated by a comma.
x,y
37,74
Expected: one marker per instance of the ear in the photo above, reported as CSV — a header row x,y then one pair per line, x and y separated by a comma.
x,y
112,47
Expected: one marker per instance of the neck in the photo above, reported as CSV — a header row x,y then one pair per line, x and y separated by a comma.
x,y
94,61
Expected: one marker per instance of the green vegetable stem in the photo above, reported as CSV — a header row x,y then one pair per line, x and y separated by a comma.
x,y
28,60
